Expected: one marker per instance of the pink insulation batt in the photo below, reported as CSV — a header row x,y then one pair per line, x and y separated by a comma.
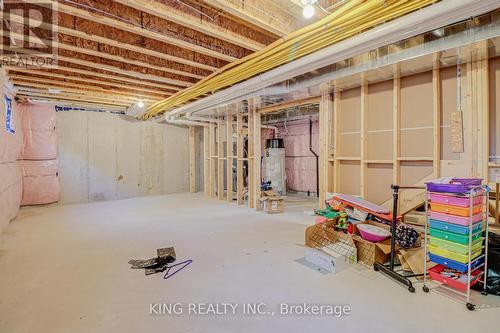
x,y
40,182
300,162
10,168
39,126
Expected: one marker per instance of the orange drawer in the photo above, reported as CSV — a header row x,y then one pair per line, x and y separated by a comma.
x,y
455,210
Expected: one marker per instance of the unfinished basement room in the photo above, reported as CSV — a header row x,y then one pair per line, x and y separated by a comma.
x,y
250,166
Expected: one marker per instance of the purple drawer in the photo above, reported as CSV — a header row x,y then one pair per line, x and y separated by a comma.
x,y
454,200
457,185
461,220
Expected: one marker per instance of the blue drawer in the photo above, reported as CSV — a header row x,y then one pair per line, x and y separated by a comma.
x,y
455,264
455,228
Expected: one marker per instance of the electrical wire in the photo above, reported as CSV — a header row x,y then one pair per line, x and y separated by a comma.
x,y
353,17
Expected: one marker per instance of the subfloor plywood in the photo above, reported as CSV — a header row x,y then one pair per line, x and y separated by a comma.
x,y
64,269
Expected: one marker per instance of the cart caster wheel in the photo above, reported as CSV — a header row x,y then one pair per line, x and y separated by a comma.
x,y
411,289
425,289
484,292
375,268
470,307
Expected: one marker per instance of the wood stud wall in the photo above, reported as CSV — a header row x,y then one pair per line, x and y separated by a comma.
x,y
475,96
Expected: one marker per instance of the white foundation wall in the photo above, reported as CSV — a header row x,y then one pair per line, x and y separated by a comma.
x,y
105,156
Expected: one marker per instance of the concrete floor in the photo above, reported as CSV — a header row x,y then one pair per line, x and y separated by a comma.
x,y
64,269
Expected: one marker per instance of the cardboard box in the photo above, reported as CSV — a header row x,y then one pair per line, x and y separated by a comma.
x,y
321,235
331,262
271,202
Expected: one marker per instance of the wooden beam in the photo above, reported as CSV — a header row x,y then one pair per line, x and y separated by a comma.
x,y
105,55
52,75
83,90
100,75
220,160
79,98
239,154
396,127
192,158
336,140
364,139
257,153
229,154
129,47
325,112
88,104
251,155
172,14
289,104
437,107
271,19
206,161
117,100
95,17
211,183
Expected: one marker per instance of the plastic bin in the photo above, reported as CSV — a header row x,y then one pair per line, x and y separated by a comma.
x,y
455,264
455,210
454,228
453,200
436,273
449,236
457,185
461,220
456,247
461,258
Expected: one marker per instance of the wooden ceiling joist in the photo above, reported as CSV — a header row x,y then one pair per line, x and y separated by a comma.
x,y
70,97
81,93
105,55
94,17
61,102
261,13
174,15
80,88
130,47
289,104
22,72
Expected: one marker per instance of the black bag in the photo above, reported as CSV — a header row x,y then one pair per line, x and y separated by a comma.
x,y
493,277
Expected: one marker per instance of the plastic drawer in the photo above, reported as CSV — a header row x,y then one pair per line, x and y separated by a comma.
x,y
449,236
456,247
453,200
461,220
458,185
454,210
455,228
453,255
435,273
455,264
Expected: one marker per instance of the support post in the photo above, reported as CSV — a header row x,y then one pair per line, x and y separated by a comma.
x,y
212,159
336,139
363,139
325,113
396,127
257,153
206,161
229,155
239,155
220,160
436,94
192,158
251,183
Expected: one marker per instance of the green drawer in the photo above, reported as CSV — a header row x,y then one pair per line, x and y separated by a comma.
x,y
449,236
457,247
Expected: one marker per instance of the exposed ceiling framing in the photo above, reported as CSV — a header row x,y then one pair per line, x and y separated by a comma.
x,y
116,52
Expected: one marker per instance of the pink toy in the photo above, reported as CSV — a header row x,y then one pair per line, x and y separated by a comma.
x,y
372,233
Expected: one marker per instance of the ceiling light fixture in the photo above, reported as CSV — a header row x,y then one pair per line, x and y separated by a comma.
x,y
140,104
308,11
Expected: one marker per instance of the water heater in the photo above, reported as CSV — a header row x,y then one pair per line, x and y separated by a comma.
x,y
274,165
